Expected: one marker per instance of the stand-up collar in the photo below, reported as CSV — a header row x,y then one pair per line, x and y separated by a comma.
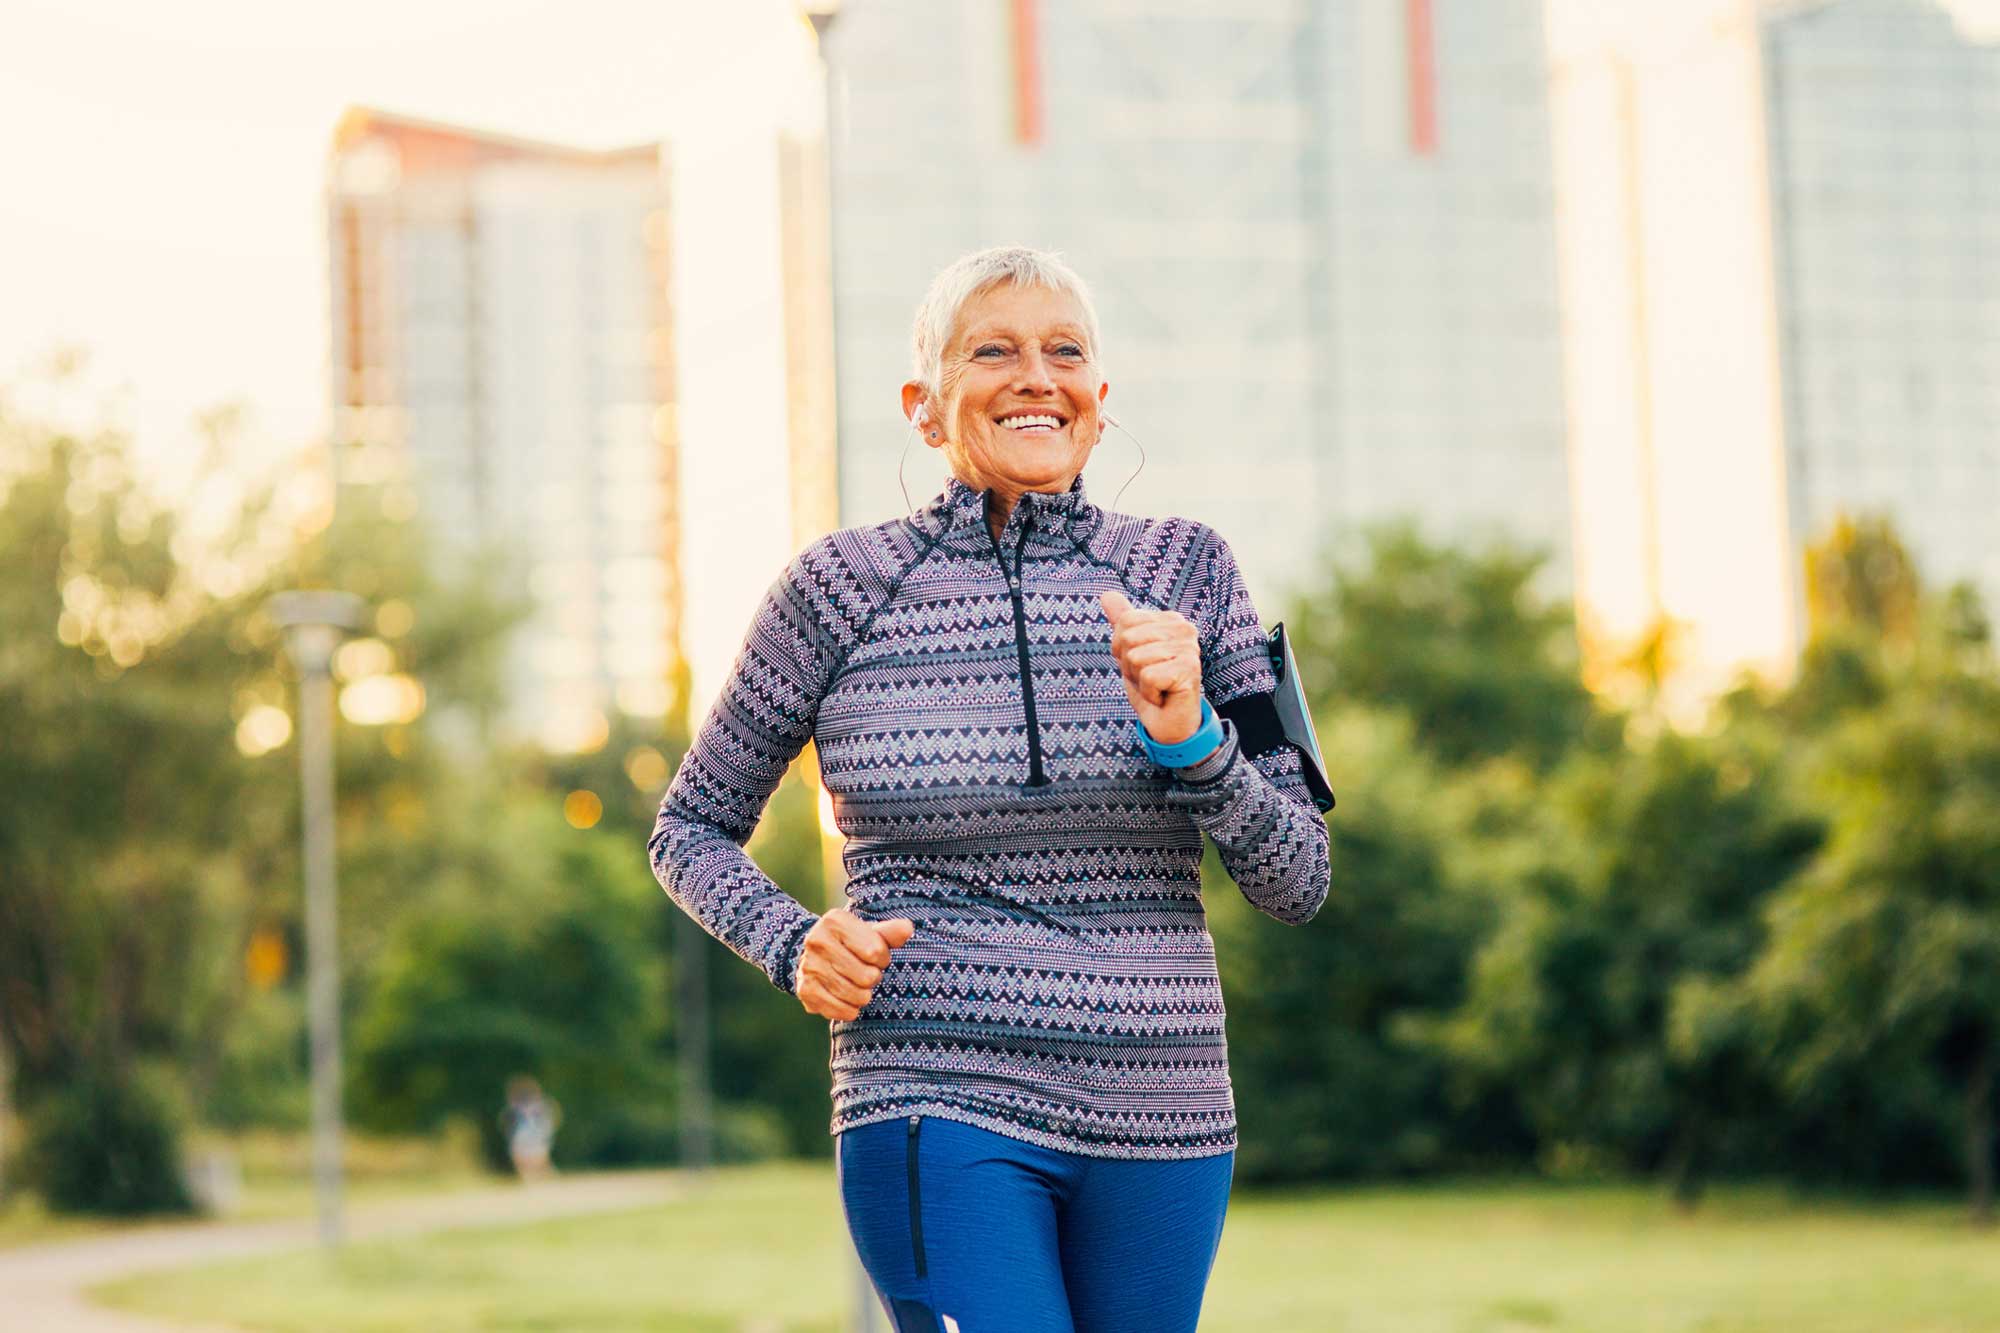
x,y
1053,512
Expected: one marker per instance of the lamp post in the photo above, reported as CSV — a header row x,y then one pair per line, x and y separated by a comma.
x,y
697,1138
821,14
314,623
864,1315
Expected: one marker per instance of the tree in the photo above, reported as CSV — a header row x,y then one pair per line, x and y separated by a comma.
x,y
1860,573
1456,639
1445,686
1328,1084
120,770
767,1057
150,826
1862,605
1886,957
768,1051
1644,888
536,965
1871,1000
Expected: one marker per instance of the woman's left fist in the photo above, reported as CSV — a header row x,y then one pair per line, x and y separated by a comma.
x,y
1159,655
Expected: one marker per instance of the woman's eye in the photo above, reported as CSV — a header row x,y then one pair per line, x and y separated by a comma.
x,y
1070,349
989,348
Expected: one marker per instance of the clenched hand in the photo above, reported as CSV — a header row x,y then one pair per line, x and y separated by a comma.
x,y
843,958
1159,654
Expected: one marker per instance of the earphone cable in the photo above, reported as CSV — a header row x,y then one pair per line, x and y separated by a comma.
x,y
907,437
1142,456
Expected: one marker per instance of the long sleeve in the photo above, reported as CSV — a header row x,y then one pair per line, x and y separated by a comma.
x,y
1258,811
760,720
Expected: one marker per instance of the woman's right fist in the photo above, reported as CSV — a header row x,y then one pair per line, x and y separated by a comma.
x,y
843,958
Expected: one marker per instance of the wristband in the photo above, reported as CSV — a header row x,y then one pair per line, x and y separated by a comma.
x,y
1197,747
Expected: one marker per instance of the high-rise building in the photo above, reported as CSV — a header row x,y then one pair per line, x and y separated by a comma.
x,y
1779,230
1319,232
502,353
1884,126
1442,310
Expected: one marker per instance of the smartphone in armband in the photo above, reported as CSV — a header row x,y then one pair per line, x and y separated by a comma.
x,y
1266,721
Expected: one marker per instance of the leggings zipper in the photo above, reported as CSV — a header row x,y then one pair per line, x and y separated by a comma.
x,y
916,1201
1036,778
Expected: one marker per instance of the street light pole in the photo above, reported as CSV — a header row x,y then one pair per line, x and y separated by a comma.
x,y
864,1316
691,1027
314,623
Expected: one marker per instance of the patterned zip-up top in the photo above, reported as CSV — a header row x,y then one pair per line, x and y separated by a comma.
x,y
974,733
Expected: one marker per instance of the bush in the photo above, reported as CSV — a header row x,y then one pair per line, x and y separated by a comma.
x,y
546,974
619,1134
108,1143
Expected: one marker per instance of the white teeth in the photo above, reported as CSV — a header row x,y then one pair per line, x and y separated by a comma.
x,y
1028,423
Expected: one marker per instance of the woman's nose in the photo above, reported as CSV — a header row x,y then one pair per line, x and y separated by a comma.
x,y
1035,377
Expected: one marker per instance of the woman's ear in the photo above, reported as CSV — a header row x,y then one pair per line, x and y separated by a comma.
x,y
914,402
917,407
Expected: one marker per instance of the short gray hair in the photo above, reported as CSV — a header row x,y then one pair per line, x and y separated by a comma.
x,y
968,276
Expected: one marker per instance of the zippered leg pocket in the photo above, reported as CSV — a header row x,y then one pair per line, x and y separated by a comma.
x,y
916,1199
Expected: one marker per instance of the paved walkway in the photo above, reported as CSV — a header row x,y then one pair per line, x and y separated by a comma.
x,y
41,1286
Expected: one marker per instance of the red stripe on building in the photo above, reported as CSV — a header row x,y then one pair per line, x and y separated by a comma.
x,y
1421,46
1027,74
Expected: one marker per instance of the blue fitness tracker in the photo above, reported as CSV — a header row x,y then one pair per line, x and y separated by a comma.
x,y
1195,748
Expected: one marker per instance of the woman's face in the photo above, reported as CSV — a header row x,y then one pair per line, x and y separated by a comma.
x,y
1021,392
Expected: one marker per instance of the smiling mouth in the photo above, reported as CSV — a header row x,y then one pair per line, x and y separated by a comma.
x,y
1032,423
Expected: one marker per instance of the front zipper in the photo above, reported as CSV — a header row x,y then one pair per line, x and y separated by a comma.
x,y
1035,776
916,1205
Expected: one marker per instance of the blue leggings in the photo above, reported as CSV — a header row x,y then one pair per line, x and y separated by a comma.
x,y
963,1230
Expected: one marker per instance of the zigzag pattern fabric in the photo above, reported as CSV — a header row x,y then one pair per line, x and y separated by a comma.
x,y
976,739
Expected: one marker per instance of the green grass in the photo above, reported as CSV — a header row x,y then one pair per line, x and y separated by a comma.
x,y
764,1251
766,1239
277,1182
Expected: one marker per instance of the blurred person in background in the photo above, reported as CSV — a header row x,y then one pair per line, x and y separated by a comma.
x,y
1027,710
529,1123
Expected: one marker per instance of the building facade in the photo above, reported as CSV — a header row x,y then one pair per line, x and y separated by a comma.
x,y
503,357
1884,128
1781,289
1319,232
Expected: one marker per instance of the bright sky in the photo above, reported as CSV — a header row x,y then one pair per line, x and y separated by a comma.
x,y
161,166
160,173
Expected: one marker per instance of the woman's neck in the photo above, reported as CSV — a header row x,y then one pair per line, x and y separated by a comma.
x,y
1000,501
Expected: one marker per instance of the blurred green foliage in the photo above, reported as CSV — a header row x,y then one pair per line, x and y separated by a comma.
x,y
1588,943
1457,640
540,967
108,1142
769,1064
1613,915
1327,1084
1562,937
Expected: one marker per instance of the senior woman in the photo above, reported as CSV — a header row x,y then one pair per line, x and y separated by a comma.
x,y
1023,708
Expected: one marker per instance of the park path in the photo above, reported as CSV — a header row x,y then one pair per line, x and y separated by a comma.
x,y
42,1286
